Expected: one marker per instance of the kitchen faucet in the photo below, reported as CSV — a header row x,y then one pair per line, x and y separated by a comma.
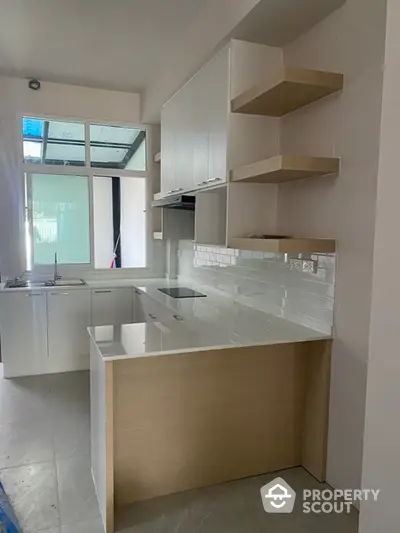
x,y
56,275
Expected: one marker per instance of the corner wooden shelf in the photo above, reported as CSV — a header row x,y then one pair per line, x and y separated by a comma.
x,y
283,245
286,91
157,157
282,168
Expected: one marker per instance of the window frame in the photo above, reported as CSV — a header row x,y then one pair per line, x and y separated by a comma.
x,y
88,270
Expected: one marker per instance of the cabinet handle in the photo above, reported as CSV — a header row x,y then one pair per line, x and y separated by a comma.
x,y
211,180
152,316
29,295
178,317
202,183
102,292
137,291
59,293
175,190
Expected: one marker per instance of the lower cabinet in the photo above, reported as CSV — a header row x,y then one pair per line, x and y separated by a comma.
x,y
45,332
138,309
23,331
148,310
112,306
68,316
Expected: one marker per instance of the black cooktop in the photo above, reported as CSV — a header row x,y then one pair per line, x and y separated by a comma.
x,y
182,292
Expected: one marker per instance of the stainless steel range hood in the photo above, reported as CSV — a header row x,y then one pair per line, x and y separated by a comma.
x,y
177,201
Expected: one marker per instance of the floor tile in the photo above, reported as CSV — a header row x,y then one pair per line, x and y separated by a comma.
x,y
78,501
24,399
52,530
25,443
72,431
71,387
93,526
232,507
32,491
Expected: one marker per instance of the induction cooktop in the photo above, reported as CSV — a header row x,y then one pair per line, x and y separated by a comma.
x,y
182,292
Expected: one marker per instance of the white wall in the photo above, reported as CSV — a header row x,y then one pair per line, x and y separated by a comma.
x,y
381,467
351,41
74,102
59,100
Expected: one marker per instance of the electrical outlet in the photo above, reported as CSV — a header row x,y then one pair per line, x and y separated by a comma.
x,y
296,264
310,266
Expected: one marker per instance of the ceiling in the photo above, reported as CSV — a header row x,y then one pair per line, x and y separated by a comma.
x,y
149,46
112,44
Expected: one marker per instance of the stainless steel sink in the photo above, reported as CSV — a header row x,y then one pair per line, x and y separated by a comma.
x,y
65,283
19,284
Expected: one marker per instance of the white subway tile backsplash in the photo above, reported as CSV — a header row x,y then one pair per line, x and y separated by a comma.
x,y
267,281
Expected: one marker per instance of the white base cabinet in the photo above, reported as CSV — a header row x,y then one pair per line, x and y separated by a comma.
x,y
45,332
68,316
112,306
23,330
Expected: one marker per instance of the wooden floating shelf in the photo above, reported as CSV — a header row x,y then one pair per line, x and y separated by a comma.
x,y
282,168
157,157
287,91
283,245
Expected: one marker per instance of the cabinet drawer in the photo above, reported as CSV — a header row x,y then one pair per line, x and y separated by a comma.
x,y
112,306
151,310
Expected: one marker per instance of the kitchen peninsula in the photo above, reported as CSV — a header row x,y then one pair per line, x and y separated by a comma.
x,y
219,392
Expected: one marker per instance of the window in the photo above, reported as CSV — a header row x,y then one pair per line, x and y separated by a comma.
x,y
59,221
50,142
85,216
116,147
119,230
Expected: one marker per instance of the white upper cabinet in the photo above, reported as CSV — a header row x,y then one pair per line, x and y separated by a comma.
x,y
169,135
194,130
215,78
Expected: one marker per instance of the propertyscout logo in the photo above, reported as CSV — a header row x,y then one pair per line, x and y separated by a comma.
x,y
279,497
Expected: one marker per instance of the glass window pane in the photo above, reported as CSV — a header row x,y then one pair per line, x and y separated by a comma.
x,y
117,147
61,143
33,151
119,219
65,154
60,219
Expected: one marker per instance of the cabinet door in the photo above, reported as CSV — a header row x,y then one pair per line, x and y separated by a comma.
x,y
111,306
185,139
23,331
68,316
153,311
200,135
138,311
169,143
217,100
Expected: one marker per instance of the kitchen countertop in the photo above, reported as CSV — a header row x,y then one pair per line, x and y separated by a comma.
x,y
215,322
90,284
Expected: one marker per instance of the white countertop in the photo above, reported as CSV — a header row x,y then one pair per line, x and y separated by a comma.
x,y
215,322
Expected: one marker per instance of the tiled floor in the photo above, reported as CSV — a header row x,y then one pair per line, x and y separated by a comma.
x,y
45,468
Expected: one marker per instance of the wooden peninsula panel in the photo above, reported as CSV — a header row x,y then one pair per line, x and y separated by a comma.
x,y
193,420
